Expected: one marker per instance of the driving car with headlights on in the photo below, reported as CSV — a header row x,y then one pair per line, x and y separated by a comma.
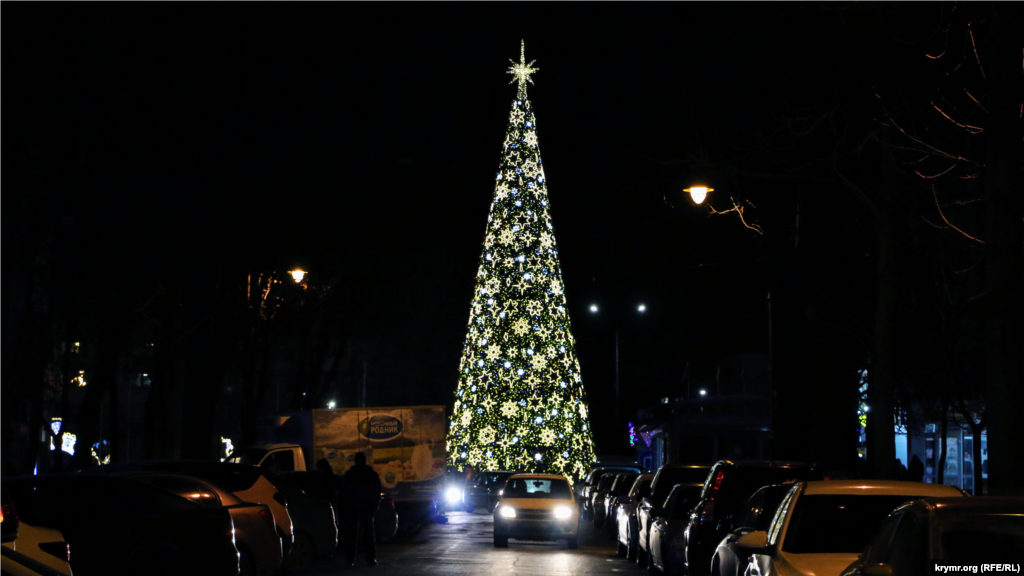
x,y
536,507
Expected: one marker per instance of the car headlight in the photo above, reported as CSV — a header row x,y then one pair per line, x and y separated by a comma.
x,y
453,495
563,512
507,512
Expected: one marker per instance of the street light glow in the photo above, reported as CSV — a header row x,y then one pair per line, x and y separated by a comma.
x,y
593,307
330,405
703,392
297,275
642,308
698,193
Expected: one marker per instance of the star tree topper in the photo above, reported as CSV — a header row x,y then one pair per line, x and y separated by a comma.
x,y
521,70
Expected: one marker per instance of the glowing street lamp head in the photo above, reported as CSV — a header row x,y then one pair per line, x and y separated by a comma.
x,y
330,405
593,307
641,308
698,193
703,392
297,275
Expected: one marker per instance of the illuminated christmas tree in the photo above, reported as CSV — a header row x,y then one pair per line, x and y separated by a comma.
x,y
520,403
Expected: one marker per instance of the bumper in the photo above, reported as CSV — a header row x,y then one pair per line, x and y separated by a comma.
x,y
536,529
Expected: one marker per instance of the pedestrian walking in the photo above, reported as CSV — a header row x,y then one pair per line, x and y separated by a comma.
x,y
362,496
915,472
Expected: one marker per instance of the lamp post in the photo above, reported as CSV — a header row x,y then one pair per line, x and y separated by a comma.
x,y
594,309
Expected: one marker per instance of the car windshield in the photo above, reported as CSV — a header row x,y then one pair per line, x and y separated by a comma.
x,y
982,536
623,485
640,485
606,482
537,488
851,521
739,484
686,497
669,477
250,456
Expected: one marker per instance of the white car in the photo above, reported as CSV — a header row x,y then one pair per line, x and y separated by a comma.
x,y
821,527
35,546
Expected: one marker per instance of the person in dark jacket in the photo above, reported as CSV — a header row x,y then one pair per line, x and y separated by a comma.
x,y
362,496
915,472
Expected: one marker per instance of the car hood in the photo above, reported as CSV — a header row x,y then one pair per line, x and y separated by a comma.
x,y
814,564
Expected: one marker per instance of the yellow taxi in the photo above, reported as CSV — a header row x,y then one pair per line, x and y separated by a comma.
x,y
536,507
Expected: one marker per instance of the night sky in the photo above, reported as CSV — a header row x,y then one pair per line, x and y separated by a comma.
x,y
363,139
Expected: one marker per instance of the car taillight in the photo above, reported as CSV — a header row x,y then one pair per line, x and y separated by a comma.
x,y
61,550
8,518
281,498
825,476
267,516
716,484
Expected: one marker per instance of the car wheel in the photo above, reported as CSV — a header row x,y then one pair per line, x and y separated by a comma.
x,y
246,563
572,543
500,541
621,551
301,556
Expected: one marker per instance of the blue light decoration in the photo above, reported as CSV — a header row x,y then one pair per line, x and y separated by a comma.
x,y
632,435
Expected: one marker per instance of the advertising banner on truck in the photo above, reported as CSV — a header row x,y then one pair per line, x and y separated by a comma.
x,y
405,445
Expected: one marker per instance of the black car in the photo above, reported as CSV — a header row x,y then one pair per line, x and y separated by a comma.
x,y
584,487
652,506
665,551
727,488
598,495
620,487
118,526
924,533
756,514
314,522
482,491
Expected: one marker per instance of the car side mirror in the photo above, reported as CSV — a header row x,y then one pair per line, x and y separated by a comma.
x,y
876,570
755,542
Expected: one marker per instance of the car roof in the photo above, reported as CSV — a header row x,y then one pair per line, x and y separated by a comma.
x,y
978,505
766,464
227,497
880,488
537,476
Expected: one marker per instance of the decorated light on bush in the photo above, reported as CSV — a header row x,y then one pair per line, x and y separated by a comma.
x,y
520,402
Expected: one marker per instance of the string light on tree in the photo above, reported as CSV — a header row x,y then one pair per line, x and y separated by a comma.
x,y
520,402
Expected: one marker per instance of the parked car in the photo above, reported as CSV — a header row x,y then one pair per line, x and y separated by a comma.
x,y
9,521
820,527
727,488
246,482
922,533
620,487
118,526
482,491
259,546
666,546
584,487
598,495
536,507
651,507
36,551
756,514
314,522
626,521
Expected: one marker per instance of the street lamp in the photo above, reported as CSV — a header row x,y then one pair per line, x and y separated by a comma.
x,y
698,193
298,274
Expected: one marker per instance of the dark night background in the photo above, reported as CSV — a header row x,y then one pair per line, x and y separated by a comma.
x,y
155,156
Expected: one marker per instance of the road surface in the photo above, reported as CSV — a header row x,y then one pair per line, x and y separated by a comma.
x,y
464,546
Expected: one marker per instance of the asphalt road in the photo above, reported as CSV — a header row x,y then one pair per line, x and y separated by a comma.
x,y
464,546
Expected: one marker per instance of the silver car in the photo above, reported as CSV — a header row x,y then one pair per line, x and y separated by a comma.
x,y
625,519
259,546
